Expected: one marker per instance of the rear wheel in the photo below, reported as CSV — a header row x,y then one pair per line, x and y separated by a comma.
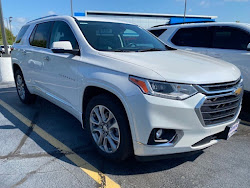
x,y
108,127
22,90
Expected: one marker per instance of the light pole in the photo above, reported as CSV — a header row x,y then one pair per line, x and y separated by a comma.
x,y
71,4
10,20
7,23
185,9
3,29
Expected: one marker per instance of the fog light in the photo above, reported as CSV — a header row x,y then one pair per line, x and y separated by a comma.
x,y
161,136
158,134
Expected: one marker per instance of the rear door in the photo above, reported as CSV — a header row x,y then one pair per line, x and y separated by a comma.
x,y
196,39
230,44
37,53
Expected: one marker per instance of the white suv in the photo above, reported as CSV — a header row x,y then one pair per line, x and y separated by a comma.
x,y
133,94
227,41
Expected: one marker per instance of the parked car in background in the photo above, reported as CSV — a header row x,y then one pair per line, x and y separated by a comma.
x,y
226,41
132,93
2,49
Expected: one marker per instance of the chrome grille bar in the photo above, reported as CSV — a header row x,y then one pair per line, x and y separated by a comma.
x,y
221,104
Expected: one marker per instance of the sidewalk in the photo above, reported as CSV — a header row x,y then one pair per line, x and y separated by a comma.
x,y
7,84
6,73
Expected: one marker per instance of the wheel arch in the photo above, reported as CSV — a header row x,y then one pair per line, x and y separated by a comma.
x,y
16,67
94,90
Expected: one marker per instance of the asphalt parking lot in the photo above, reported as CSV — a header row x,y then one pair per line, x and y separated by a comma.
x,y
44,146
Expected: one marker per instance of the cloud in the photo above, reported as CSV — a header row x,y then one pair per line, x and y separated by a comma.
x,y
20,20
205,4
17,24
51,13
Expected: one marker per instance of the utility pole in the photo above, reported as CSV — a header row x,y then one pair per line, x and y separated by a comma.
x,y
3,29
71,4
185,9
10,20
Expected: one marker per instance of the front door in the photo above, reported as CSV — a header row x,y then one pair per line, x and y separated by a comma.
x,y
60,69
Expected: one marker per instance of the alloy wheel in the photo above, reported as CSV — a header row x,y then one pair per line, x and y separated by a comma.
x,y
104,129
20,86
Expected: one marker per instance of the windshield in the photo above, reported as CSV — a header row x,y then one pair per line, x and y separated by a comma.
x,y
119,37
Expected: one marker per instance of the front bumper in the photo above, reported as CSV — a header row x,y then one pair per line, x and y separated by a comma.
x,y
151,112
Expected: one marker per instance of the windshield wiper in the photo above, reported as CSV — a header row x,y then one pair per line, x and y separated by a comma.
x,y
150,49
121,50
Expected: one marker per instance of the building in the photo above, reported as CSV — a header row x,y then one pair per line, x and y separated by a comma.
x,y
147,20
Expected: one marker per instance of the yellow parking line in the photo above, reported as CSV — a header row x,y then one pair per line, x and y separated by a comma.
x,y
103,180
245,122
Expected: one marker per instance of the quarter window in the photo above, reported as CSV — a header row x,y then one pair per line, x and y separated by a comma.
x,y
21,33
193,37
62,32
40,35
230,38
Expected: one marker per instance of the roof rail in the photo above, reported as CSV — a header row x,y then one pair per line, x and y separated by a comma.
x,y
208,21
43,18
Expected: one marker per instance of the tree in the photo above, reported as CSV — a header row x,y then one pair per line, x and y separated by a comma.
x,y
9,36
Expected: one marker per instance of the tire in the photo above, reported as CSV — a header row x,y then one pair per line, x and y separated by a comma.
x,y
115,128
24,95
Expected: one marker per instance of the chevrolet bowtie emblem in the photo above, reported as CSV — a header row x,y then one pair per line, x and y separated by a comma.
x,y
238,91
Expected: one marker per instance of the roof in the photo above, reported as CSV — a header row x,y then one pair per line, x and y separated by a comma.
x,y
100,19
244,25
89,12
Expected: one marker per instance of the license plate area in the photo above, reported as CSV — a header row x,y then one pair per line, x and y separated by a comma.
x,y
233,129
229,131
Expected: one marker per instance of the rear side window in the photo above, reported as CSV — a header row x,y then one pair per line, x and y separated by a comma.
x,y
193,37
230,38
21,33
62,32
40,35
157,32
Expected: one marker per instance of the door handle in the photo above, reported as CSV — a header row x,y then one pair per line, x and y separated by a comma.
x,y
46,58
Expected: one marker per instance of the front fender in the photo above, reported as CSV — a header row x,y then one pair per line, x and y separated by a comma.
x,y
117,84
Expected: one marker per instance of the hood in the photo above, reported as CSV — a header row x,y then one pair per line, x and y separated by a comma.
x,y
180,66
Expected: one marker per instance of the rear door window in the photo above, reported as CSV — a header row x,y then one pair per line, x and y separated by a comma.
x,y
21,33
40,35
230,38
193,37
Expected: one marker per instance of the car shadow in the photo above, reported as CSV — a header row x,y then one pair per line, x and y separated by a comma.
x,y
67,129
245,111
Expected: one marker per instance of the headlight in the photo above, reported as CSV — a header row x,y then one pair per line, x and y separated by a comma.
x,y
164,89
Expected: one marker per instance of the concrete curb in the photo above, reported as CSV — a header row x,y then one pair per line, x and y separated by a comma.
x,y
6,73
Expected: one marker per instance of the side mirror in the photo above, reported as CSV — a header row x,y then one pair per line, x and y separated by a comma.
x,y
248,47
64,47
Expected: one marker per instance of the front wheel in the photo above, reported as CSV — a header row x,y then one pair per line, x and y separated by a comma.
x,y
108,127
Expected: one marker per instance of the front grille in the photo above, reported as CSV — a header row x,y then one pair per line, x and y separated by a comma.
x,y
222,106
227,86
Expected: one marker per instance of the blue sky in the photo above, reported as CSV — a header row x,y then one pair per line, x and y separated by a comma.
x,y
25,10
